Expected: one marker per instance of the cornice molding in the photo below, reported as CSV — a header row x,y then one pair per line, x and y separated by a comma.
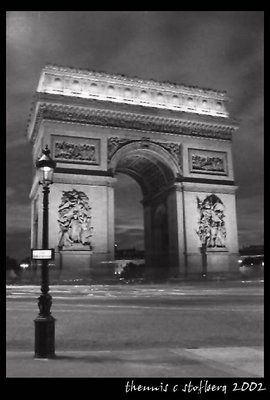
x,y
206,185
129,120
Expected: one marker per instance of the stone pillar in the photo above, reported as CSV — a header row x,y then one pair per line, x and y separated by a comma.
x,y
160,240
75,261
103,265
156,247
220,260
148,246
36,230
177,245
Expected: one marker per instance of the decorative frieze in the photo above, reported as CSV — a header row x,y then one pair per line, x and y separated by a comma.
x,y
130,120
208,162
74,149
71,151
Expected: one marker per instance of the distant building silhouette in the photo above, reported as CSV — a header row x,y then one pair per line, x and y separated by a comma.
x,y
129,254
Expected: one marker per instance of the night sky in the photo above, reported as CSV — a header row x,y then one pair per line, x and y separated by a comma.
x,y
218,50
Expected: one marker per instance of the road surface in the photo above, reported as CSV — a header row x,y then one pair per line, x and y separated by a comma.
x,y
168,330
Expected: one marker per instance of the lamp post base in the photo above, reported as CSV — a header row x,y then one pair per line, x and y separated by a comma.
x,y
45,337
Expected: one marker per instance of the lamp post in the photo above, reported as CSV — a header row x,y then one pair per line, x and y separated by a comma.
x,y
204,259
45,322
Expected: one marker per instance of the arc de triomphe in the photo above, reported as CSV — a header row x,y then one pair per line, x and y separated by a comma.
x,y
174,140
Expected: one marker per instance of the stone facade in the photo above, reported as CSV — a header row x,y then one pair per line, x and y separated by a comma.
x,y
175,141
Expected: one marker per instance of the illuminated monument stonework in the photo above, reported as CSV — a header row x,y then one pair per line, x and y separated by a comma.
x,y
174,140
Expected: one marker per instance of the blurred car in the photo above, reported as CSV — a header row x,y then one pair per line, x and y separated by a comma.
x,y
251,264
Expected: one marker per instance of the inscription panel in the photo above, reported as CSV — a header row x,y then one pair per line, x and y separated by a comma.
x,y
76,150
207,162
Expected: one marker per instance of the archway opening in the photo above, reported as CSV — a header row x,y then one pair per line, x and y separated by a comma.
x,y
129,224
155,177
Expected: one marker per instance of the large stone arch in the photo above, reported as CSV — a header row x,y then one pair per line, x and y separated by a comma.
x,y
152,166
174,140
156,171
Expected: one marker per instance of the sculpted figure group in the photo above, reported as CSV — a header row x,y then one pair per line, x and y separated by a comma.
x,y
211,231
74,219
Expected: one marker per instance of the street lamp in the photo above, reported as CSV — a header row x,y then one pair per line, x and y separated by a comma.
x,y
45,322
204,259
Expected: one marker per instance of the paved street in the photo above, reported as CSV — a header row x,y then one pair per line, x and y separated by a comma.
x,y
210,329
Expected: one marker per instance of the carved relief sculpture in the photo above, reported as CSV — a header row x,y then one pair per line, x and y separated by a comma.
x,y
208,163
114,143
211,231
73,151
205,161
175,150
74,219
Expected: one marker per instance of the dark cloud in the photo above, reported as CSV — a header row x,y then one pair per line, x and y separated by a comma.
x,y
220,50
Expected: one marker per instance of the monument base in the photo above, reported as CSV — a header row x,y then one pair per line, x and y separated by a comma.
x,y
80,266
217,261
72,266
